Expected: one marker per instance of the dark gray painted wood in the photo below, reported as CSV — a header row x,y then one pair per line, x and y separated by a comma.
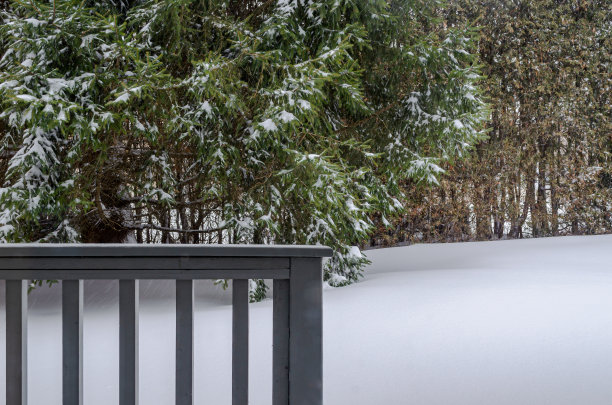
x,y
148,263
128,342
123,250
72,342
240,342
184,342
297,274
280,338
16,342
306,339
142,274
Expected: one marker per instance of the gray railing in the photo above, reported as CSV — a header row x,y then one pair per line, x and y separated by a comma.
x,y
297,311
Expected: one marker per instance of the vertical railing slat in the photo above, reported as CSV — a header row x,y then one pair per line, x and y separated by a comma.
x,y
184,342
305,334
16,341
128,342
280,344
72,342
240,342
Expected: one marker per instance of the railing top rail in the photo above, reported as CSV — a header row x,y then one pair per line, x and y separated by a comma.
x,y
159,250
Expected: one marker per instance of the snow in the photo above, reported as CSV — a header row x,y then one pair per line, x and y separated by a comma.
x,y
26,97
87,40
121,99
355,253
56,85
9,84
458,124
34,22
269,125
504,323
304,104
62,116
350,205
286,7
286,117
206,107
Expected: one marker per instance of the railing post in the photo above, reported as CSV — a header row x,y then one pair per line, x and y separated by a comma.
x,y
305,335
184,342
72,342
16,340
128,342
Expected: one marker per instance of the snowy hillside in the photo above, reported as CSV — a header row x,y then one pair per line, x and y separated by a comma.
x,y
506,323
513,322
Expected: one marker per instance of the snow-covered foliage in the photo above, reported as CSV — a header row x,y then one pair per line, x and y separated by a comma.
x,y
248,122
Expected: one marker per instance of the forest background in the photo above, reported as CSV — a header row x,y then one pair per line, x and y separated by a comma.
x,y
545,168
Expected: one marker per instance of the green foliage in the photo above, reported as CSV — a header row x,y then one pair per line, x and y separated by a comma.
x,y
545,168
223,121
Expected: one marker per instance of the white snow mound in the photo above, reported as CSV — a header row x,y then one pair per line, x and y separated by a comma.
x,y
505,323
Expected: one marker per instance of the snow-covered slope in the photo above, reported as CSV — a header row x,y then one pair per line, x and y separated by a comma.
x,y
512,322
492,323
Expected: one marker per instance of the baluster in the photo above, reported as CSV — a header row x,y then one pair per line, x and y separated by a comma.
x,y
128,342
240,342
280,332
16,341
72,342
184,342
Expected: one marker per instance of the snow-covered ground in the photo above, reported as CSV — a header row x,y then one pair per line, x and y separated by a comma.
x,y
513,322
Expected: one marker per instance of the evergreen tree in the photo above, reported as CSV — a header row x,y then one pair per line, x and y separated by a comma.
x,y
543,170
227,121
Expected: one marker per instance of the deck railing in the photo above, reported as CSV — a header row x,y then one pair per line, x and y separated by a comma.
x,y
297,311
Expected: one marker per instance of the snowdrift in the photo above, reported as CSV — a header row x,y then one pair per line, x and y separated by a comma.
x,y
510,322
